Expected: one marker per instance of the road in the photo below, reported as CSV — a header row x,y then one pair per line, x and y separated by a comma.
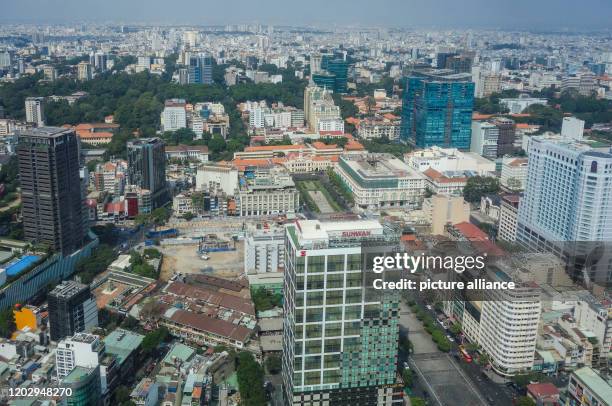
x,y
437,372
437,369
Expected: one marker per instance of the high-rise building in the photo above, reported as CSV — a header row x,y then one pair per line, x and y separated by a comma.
x,y
51,188
506,135
339,68
200,69
264,249
147,167
437,109
174,115
567,199
572,128
82,350
84,71
34,110
72,309
339,334
99,60
484,139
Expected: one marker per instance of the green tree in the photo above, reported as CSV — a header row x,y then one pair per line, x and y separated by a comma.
x,y
7,322
250,380
153,339
524,401
478,186
408,377
188,216
456,328
416,401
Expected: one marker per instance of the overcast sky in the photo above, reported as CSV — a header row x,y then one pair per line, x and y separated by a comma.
x,y
520,14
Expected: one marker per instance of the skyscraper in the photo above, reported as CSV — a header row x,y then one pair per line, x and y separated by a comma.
x,y
437,109
334,76
568,199
147,167
200,69
339,335
51,188
34,110
84,71
72,309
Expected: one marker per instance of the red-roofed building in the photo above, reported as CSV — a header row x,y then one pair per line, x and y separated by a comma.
x,y
544,394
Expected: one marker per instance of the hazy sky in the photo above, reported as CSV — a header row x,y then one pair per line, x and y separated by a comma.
x,y
545,14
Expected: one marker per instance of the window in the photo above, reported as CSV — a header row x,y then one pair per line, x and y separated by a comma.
x,y
332,345
313,362
333,329
335,263
333,313
315,282
312,378
335,281
334,297
314,330
314,315
316,264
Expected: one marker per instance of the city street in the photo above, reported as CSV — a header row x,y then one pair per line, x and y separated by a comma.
x,y
444,377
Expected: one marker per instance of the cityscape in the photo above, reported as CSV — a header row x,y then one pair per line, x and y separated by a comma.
x,y
212,210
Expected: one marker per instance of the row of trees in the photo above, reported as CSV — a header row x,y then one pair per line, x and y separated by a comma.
x,y
437,335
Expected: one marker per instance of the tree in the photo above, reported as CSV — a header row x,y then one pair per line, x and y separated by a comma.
x,y
478,186
524,401
456,328
7,322
153,339
188,216
160,216
408,377
273,364
415,401
266,300
250,380
370,103
514,184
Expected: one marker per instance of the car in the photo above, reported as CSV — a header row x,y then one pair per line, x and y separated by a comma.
x,y
204,257
451,339
406,366
429,307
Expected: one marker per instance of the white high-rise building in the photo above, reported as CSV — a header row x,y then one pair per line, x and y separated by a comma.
x,y
81,350
174,115
572,128
509,328
568,199
34,109
484,139
264,249
514,173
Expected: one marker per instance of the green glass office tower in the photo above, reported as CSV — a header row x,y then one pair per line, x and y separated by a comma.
x,y
340,336
334,75
437,109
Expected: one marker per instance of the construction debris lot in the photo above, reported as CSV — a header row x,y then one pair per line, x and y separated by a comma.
x,y
186,260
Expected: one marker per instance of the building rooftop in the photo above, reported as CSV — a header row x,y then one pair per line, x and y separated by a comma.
x,y
67,289
122,343
77,375
595,382
179,352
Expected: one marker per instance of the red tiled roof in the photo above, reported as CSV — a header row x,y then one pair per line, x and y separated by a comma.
x,y
208,324
215,298
540,390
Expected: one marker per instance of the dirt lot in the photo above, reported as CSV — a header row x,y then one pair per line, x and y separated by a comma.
x,y
185,259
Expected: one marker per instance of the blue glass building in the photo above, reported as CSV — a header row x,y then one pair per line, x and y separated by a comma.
x,y
334,75
437,109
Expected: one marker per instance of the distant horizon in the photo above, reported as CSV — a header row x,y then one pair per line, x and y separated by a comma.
x,y
521,15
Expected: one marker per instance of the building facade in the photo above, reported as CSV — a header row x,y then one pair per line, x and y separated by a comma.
x,y
34,109
437,109
339,339
51,188
147,168
72,309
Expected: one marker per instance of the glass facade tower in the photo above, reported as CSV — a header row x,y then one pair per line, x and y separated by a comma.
x,y
340,337
437,109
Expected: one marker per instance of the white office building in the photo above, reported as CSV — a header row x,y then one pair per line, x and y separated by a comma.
x,y
485,137
264,249
449,159
174,115
34,109
518,104
514,173
380,181
81,350
572,128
